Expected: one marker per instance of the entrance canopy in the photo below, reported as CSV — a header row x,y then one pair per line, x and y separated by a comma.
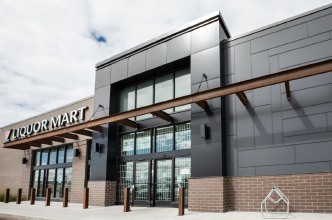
x,y
157,109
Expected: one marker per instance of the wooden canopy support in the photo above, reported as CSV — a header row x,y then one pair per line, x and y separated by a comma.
x,y
128,123
35,144
243,98
163,115
122,118
57,139
202,104
95,128
69,136
287,89
83,132
43,141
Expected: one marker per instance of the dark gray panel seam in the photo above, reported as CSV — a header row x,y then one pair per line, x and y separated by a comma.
x,y
305,63
325,161
309,87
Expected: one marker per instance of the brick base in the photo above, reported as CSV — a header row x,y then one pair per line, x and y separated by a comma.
x,y
26,173
102,193
306,193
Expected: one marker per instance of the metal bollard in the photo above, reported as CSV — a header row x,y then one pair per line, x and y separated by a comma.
x,y
48,196
181,201
65,197
19,196
33,196
7,195
126,204
86,198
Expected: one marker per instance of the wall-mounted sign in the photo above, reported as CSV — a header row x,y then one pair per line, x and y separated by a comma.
x,y
185,170
37,127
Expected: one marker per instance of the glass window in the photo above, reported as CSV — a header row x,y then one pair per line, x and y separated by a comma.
x,y
51,180
182,86
35,180
53,156
164,139
142,181
125,178
182,136
44,157
61,156
144,97
37,158
127,99
69,154
41,183
143,142
68,172
59,181
182,174
164,89
164,180
127,144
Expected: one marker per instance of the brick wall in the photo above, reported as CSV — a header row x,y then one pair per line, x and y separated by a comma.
x,y
306,193
207,194
26,173
102,193
79,172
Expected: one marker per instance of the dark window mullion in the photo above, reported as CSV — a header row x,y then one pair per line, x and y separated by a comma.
x,y
63,181
173,179
55,177
174,88
135,135
173,137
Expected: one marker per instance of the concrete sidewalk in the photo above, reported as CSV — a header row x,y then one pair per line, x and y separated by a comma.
x,y
75,211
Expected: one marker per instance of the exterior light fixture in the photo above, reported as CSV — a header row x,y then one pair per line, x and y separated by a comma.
x,y
76,152
24,160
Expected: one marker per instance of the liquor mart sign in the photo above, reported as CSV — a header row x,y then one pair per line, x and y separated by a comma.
x,y
44,125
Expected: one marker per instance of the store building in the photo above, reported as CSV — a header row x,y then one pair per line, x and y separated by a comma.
x,y
227,151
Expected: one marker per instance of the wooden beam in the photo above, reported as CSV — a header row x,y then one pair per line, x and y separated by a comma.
x,y
202,104
57,139
35,144
243,98
163,115
128,123
96,128
83,132
267,80
44,141
287,89
69,136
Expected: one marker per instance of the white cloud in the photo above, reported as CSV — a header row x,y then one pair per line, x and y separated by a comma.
x,y
47,52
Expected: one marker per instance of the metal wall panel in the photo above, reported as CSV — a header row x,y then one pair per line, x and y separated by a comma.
x,y
207,62
313,152
293,169
260,64
103,77
231,155
279,38
305,125
310,17
266,156
306,54
245,124
102,97
262,96
206,159
230,109
205,85
320,25
274,64
205,37
329,121
277,129
119,71
242,62
178,47
247,171
308,138
136,64
263,126
156,56
276,97
212,119
326,107
292,113
229,61
307,97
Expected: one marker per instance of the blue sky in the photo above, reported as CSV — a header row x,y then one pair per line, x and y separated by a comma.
x,y
48,49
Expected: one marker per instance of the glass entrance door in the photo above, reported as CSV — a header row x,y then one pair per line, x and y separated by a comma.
x,y
142,180
163,184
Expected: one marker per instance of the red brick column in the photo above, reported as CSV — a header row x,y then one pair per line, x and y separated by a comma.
x,y
26,174
207,194
79,172
102,193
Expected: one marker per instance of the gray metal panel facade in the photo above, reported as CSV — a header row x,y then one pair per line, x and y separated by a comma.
x,y
275,135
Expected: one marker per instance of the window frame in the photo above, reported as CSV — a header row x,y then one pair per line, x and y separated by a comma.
x,y
154,87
